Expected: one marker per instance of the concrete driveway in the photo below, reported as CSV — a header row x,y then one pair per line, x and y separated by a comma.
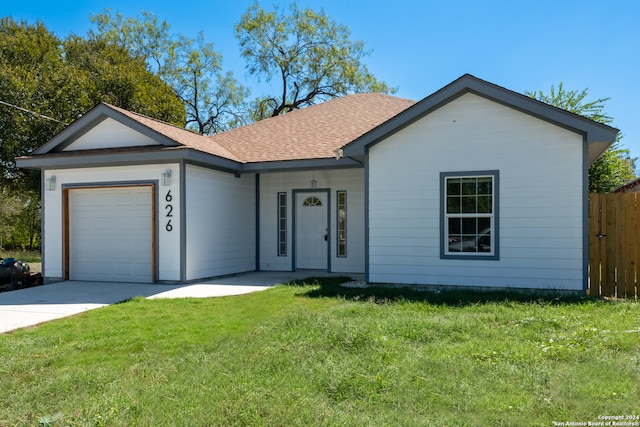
x,y
31,306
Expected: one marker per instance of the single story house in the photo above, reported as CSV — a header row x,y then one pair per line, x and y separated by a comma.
x,y
474,186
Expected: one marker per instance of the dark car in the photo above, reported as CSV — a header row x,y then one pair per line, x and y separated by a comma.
x,y
12,271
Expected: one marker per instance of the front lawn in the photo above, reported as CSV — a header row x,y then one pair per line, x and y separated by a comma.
x,y
319,354
27,256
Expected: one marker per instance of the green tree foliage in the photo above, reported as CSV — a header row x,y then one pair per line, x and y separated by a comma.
x,y
112,75
214,100
46,84
615,167
19,220
310,57
612,170
33,76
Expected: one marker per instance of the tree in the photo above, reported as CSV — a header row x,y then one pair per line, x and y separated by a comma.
x,y
112,75
308,54
213,99
615,167
45,84
19,220
35,78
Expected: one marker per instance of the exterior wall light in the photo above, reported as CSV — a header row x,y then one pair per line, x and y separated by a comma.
x,y
166,178
50,183
314,183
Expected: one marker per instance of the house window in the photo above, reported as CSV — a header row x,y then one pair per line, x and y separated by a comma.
x,y
469,222
342,224
282,224
312,201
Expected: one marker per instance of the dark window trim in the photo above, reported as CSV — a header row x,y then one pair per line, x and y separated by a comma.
x,y
495,231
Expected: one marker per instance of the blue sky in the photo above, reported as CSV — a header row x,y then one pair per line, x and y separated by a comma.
x,y
420,46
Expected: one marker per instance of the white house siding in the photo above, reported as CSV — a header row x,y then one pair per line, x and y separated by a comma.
x,y
349,180
220,223
167,243
540,206
110,134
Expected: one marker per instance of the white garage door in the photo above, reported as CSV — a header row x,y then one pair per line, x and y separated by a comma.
x,y
111,234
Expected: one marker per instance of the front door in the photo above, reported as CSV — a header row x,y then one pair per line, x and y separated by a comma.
x,y
312,233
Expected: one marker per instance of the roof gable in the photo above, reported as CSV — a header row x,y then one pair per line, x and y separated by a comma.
x,y
109,133
109,127
76,136
598,136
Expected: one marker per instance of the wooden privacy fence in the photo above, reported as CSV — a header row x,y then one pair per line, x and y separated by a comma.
x,y
614,244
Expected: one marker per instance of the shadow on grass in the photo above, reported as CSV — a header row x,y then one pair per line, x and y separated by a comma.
x,y
323,287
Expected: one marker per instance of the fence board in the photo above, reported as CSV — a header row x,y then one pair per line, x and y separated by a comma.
x,y
618,248
614,257
633,236
625,266
608,286
594,244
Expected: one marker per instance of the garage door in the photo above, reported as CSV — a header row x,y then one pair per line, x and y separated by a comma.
x,y
111,234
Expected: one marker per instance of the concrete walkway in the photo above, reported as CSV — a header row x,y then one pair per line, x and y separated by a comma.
x,y
31,306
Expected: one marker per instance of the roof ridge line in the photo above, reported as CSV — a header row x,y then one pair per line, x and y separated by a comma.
x,y
151,118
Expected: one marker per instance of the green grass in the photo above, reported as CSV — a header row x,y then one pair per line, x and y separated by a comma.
x,y
27,256
318,354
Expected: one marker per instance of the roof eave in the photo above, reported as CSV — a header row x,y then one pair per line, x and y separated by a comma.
x,y
92,118
595,134
302,164
92,159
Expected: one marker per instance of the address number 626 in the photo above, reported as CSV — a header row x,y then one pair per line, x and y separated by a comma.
x,y
169,211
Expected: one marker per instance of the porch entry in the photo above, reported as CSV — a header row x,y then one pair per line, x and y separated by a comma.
x,y
311,230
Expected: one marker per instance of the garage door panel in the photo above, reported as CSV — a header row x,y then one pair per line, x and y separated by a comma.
x,y
111,234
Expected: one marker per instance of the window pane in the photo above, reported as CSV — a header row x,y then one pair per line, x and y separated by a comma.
x,y
282,224
484,185
341,229
468,186
455,226
453,204
453,186
484,241
469,204
484,223
469,226
312,201
484,204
